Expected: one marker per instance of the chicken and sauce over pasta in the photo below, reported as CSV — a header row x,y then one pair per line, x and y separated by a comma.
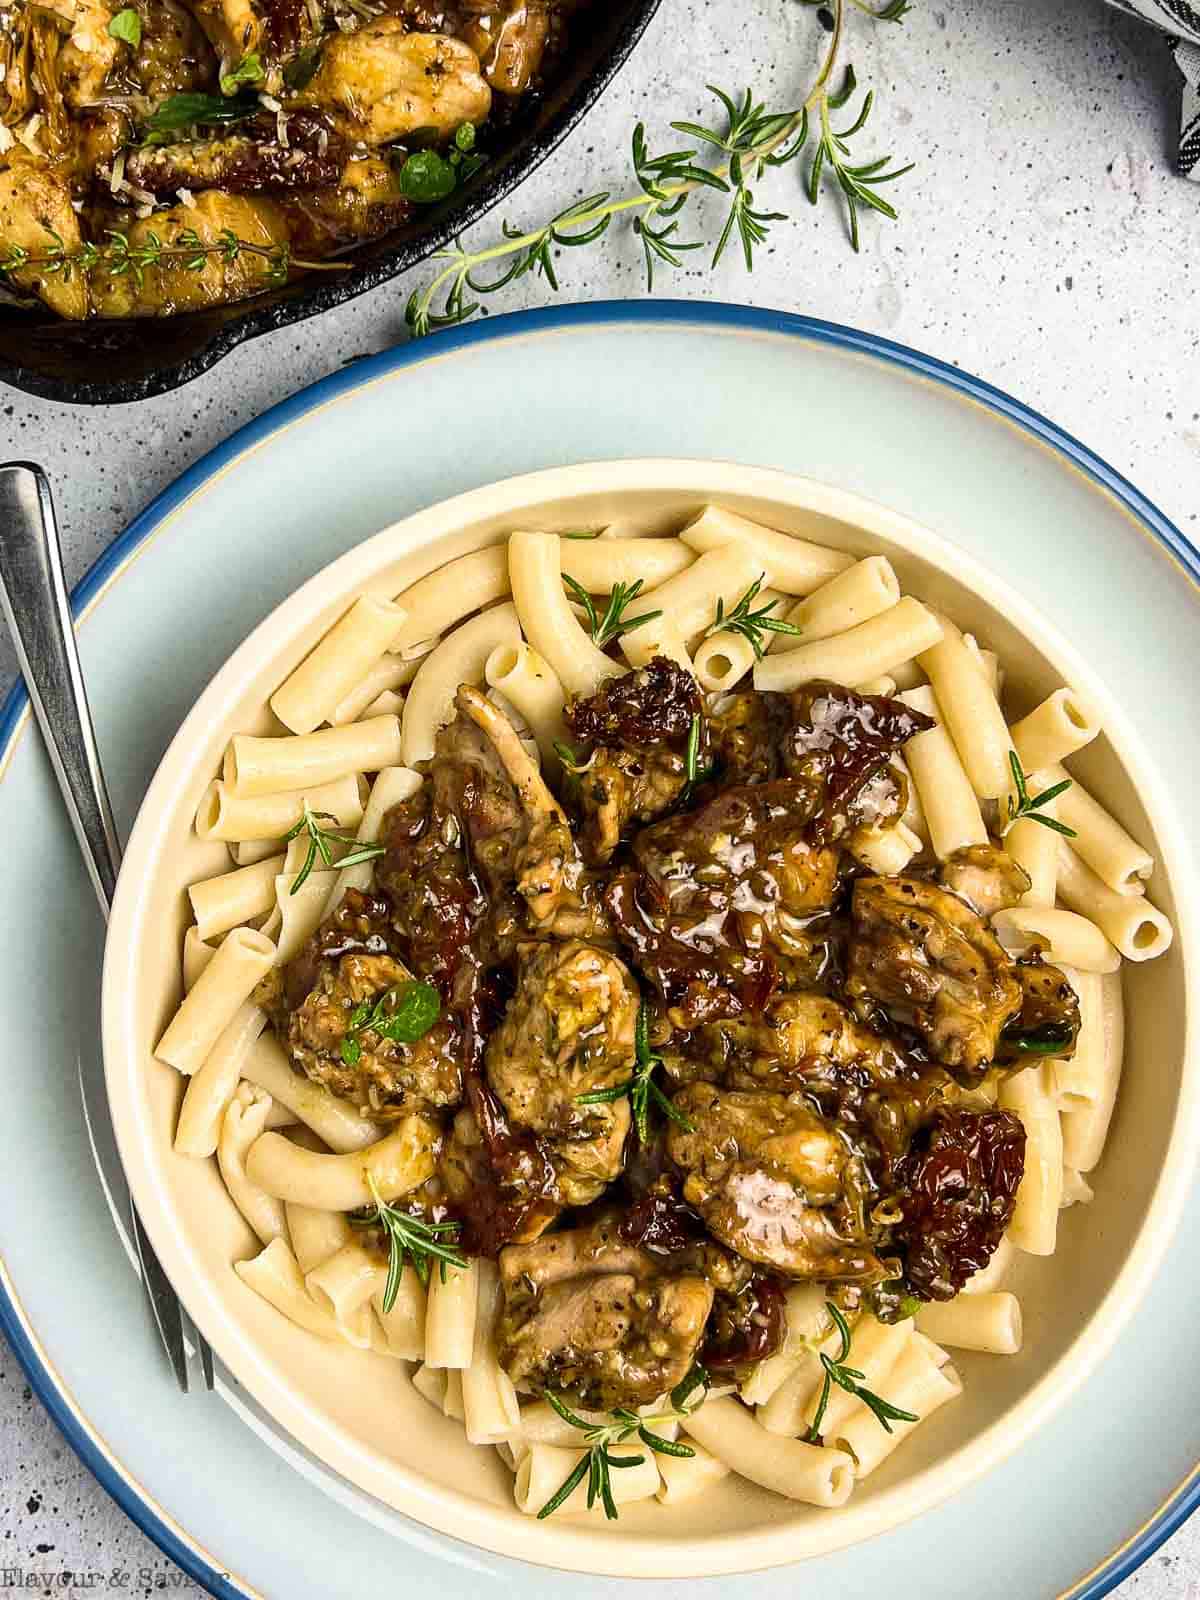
x,y
157,156
676,1061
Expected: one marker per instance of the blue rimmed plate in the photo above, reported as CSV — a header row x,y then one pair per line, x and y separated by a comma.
x,y
280,500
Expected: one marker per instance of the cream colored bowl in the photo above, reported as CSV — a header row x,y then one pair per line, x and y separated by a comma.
x,y
357,1412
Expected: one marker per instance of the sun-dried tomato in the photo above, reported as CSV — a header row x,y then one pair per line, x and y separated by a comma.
x,y
653,706
746,1327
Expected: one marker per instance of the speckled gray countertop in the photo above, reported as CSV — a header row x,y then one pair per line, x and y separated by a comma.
x,y
1044,245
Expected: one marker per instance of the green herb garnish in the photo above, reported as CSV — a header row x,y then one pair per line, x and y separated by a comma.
x,y
426,176
749,623
249,70
1047,1039
302,68
319,841
1023,805
404,1013
126,25
850,1379
614,621
182,111
410,1238
599,1438
641,1087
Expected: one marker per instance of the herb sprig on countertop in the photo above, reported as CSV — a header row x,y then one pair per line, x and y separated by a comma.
x,y
729,160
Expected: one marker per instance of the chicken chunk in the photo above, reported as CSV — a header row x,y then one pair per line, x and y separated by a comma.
x,y
988,879
234,28
35,205
362,204
568,1031
509,37
633,735
774,1181
1049,1022
747,731
930,962
382,83
89,53
601,1320
500,1183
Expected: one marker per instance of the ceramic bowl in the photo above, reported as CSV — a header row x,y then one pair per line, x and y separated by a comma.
x,y
357,1412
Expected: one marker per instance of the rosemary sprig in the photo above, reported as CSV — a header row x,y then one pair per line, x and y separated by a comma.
x,y
118,258
749,623
410,1238
751,141
319,841
614,621
599,1437
850,1379
404,1013
641,1087
1022,804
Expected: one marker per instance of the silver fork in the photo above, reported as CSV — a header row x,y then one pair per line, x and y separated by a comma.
x,y
33,594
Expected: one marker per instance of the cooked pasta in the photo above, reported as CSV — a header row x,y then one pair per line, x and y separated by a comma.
x,y
244,1119
255,767
234,898
949,807
547,620
460,658
532,686
879,645
437,602
398,1163
227,981
853,596
990,1322
225,815
1061,725
793,565
688,602
357,642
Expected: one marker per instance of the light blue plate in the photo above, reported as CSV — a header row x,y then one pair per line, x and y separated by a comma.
x,y
1113,1473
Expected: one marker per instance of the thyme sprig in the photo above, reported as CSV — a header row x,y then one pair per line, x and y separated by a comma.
x,y
1023,804
851,1380
640,1087
409,1238
320,840
119,258
729,160
599,1437
749,623
614,621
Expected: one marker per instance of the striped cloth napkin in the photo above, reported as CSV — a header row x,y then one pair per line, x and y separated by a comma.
x,y
1181,18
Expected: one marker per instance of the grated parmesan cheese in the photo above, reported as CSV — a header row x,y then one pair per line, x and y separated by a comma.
x,y
269,102
116,180
186,198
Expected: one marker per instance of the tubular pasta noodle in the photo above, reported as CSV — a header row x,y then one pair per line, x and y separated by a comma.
x,y
988,663
430,1384
355,643
688,601
1085,1127
450,1316
908,675
1076,1190
443,598
274,1275
1068,938
404,1324
885,851
1034,848
990,1322
806,1321
913,816
875,1348
211,1086
791,564
723,659
878,646
345,1282
547,620
541,1424
491,1412
393,785
397,1163
853,596
244,1119
970,712
599,564
917,1384
948,803
544,1467
815,1474
387,704
1080,1079
234,898
243,958
300,911
1113,855
387,675
224,815
247,851
991,1276
1063,723
532,686
279,1117
452,1400
1139,930
256,766
685,1477
196,956
884,685
460,658
315,1235
339,1124
1034,1225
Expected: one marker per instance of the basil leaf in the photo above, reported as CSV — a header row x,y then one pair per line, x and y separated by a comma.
x,y
464,136
302,68
181,111
426,177
126,26
248,70
414,1009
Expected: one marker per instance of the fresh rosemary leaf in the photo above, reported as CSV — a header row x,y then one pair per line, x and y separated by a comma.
x,y
614,621
1022,804
409,1238
599,1462
641,1088
850,1379
749,623
319,841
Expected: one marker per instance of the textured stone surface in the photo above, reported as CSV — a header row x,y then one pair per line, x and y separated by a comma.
x,y
1044,244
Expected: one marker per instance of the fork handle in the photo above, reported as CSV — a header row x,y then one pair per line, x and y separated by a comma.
x,y
33,593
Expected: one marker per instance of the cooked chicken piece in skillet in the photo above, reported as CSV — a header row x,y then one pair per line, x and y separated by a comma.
x,y
33,200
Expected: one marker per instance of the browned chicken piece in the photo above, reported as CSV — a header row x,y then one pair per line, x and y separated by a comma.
x,y
509,37
96,139
747,731
234,28
633,735
988,879
721,902
568,1031
773,1181
173,55
363,203
89,52
1048,1024
381,83
347,962
502,1189
924,956
172,287
597,1319
249,161
35,205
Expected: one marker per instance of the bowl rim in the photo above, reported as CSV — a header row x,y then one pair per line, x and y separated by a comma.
x,y
574,1547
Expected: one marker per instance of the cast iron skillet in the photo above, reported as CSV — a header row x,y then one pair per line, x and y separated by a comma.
x,y
102,362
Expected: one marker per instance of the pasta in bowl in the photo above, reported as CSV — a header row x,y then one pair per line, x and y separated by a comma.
x,y
621,1101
